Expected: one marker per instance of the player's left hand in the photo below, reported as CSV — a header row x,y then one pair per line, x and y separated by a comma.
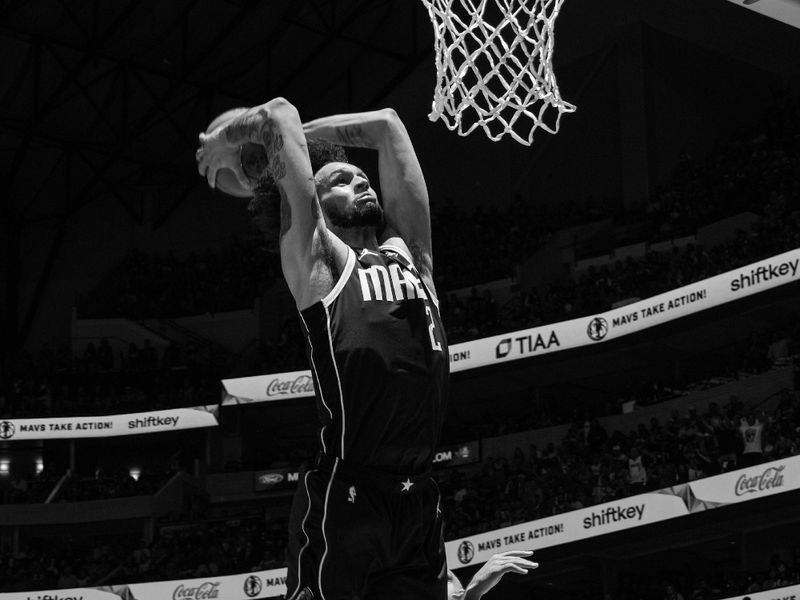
x,y
216,153
492,572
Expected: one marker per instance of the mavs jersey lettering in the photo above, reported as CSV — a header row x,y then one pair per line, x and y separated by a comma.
x,y
379,359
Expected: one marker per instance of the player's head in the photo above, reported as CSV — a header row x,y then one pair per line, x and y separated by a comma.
x,y
346,197
264,206
455,591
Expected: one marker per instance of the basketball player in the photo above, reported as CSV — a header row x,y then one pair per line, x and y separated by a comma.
x,y
489,575
366,521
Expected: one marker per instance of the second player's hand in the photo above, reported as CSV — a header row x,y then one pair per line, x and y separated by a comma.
x,y
513,561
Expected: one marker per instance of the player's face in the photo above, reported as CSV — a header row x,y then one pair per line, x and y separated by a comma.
x,y
455,591
346,196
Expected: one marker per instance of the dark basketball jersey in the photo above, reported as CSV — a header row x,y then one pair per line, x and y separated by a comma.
x,y
379,360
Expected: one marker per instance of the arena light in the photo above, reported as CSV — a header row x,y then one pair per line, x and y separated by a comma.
x,y
135,472
39,465
4,466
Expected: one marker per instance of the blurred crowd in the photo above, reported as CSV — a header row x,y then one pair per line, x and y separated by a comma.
x,y
591,465
58,382
146,285
51,486
204,548
712,582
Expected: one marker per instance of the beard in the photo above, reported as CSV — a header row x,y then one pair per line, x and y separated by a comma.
x,y
368,214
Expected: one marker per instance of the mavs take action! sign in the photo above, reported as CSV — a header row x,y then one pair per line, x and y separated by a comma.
x,y
631,318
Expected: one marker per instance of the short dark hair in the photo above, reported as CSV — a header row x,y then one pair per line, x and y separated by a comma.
x,y
265,206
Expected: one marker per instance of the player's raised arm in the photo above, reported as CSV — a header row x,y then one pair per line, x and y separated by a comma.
x,y
304,239
403,189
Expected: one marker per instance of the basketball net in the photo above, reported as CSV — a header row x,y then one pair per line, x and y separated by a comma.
x,y
494,67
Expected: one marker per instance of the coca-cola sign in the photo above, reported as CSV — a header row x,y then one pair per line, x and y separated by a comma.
x,y
772,477
205,591
301,385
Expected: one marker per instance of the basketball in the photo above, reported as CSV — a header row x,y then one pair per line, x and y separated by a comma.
x,y
226,182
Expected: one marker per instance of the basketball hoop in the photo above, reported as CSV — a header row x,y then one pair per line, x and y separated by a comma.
x,y
494,67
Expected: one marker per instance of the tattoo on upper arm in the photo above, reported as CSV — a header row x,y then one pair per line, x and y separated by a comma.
x,y
286,213
421,259
352,135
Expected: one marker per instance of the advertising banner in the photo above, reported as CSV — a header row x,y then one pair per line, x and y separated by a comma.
x,y
631,318
791,592
244,586
567,527
116,592
457,454
677,501
657,310
154,421
261,388
754,482
275,479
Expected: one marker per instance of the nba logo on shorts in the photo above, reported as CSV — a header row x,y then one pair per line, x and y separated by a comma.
x,y
466,552
352,494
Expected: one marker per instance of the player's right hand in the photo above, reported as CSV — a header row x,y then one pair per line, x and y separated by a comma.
x,y
216,153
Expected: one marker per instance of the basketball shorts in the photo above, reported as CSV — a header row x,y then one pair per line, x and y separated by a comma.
x,y
362,534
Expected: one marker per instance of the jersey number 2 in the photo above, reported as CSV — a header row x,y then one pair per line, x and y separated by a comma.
x,y
431,328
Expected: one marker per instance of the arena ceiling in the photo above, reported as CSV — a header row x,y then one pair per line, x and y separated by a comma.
x,y
113,93
103,99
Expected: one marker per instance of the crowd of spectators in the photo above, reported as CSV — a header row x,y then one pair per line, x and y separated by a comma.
x,y
713,582
146,285
742,358
740,173
56,382
591,466
51,486
117,483
484,243
205,548
598,288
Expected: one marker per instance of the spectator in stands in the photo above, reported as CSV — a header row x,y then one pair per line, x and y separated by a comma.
x,y
671,592
637,472
751,430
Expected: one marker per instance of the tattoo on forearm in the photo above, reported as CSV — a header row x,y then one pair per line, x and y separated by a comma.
x,y
352,135
273,143
286,213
